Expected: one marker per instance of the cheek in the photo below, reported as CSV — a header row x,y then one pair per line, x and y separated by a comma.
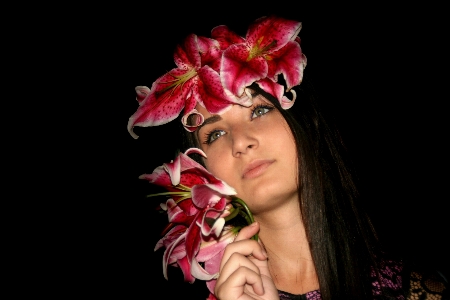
x,y
218,165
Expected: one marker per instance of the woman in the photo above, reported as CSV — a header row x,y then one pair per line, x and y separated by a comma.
x,y
286,161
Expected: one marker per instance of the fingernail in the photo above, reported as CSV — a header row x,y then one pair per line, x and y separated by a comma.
x,y
253,224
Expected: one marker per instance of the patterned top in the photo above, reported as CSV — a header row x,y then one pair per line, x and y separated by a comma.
x,y
397,282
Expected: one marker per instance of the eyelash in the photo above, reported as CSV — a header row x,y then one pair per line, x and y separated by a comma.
x,y
265,106
209,135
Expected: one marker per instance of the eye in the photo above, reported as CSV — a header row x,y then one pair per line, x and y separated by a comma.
x,y
213,135
260,110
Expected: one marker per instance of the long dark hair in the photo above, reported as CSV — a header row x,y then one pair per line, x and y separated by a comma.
x,y
342,240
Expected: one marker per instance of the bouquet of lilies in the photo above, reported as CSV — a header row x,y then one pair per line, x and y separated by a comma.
x,y
200,208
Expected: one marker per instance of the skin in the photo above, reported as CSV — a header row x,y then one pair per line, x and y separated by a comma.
x,y
243,136
242,140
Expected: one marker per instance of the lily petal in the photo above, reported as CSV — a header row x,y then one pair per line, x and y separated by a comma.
x,y
210,93
189,163
174,169
210,52
225,36
286,103
214,230
186,269
271,87
168,252
191,123
170,237
211,296
276,90
177,215
210,249
195,151
220,187
186,55
272,33
165,101
200,273
208,195
193,240
236,72
159,176
288,61
212,266
190,110
141,93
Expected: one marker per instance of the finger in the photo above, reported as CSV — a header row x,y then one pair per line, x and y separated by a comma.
x,y
234,263
234,285
248,231
244,245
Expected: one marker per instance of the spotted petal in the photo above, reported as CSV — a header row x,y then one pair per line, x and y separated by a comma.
x,y
209,91
186,55
167,97
210,52
247,62
271,33
165,101
225,36
236,72
288,61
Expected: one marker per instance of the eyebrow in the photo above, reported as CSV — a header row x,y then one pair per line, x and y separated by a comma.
x,y
210,120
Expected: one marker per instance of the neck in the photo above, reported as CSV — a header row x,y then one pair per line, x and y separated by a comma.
x,y
284,238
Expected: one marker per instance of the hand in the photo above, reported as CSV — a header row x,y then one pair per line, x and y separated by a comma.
x,y
244,272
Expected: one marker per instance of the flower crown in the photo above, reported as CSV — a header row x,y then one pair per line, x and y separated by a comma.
x,y
215,73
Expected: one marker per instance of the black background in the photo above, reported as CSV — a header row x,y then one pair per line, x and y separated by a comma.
x,y
378,68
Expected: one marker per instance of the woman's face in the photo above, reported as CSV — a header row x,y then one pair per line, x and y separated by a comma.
x,y
253,150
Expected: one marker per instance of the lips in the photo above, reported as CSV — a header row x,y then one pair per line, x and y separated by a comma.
x,y
256,168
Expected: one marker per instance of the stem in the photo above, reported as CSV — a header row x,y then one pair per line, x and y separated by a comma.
x,y
247,210
247,214
233,214
243,214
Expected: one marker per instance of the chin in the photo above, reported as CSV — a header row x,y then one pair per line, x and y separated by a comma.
x,y
273,195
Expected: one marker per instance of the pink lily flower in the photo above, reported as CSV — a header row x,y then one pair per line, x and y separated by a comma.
x,y
271,47
211,254
194,80
196,211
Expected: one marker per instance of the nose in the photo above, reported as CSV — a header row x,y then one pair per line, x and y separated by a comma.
x,y
243,140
